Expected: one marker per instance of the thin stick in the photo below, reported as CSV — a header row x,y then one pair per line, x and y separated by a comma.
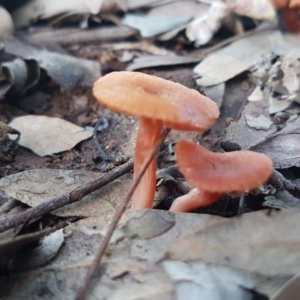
x,y
116,218
62,200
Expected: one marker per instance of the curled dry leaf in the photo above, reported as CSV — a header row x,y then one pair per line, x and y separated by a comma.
x,y
65,70
21,74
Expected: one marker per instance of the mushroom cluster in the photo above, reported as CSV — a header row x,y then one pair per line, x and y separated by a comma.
x,y
216,173
158,103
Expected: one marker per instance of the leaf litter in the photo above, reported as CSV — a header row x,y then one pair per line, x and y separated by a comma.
x,y
152,253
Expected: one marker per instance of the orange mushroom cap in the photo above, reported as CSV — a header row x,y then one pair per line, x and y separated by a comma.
x,y
235,171
280,3
148,96
294,4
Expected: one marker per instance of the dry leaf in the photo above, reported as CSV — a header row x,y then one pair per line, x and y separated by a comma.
x,y
260,123
256,9
12,245
288,44
234,59
6,23
291,71
215,93
242,134
202,28
21,74
282,200
150,26
66,70
252,242
45,135
34,257
123,275
290,290
38,186
197,280
160,60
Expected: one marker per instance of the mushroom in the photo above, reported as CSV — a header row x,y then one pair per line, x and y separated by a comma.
x,y
290,13
216,173
158,103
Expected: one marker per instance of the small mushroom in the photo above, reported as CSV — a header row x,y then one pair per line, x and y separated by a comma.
x,y
290,13
158,102
216,173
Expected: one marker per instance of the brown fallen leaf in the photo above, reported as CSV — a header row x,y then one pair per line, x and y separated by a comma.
x,y
21,259
130,268
38,186
252,242
45,135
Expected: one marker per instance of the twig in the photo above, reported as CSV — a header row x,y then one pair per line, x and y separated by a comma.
x,y
78,36
116,218
57,202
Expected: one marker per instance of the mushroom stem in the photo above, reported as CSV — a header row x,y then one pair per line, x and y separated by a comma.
x,y
193,199
148,135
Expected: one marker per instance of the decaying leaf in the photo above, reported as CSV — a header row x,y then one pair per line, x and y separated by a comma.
x,y
38,186
252,242
147,225
204,281
20,74
282,148
45,135
282,200
131,268
33,257
66,70
234,59
244,135
259,123
12,245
